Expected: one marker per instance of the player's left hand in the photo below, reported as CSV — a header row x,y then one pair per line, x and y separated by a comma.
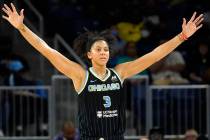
x,y
194,24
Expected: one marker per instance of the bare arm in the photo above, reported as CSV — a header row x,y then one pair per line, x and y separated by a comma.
x,y
129,69
64,65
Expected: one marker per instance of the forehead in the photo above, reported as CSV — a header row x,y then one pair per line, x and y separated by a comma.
x,y
100,43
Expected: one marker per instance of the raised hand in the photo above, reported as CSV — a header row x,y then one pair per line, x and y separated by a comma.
x,y
190,27
12,16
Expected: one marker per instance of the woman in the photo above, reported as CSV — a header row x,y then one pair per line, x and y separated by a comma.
x,y
101,105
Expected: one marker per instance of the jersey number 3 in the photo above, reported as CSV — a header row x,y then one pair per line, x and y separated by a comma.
x,y
107,100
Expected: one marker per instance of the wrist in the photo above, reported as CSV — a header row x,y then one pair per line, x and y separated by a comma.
x,y
183,37
21,27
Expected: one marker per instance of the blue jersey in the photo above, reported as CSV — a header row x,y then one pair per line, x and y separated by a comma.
x,y
102,107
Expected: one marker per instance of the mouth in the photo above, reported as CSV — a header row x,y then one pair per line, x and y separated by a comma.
x,y
103,58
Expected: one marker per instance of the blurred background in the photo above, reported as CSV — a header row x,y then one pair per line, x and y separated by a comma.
x,y
172,95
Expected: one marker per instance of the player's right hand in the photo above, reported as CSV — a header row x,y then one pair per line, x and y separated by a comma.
x,y
12,16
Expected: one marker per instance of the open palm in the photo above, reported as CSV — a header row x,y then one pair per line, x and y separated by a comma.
x,y
13,17
190,27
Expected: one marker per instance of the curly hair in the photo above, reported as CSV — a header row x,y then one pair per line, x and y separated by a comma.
x,y
83,43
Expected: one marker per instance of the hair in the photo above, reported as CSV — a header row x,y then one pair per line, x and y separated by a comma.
x,y
67,124
191,132
83,43
156,130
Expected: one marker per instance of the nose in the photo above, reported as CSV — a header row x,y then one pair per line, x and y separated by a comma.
x,y
102,52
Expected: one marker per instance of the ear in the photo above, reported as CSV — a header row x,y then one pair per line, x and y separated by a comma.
x,y
89,55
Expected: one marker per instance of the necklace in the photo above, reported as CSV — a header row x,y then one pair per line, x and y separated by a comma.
x,y
101,76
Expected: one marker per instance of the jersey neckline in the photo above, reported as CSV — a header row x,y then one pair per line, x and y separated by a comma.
x,y
95,74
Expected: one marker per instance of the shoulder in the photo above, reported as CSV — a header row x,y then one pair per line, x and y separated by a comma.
x,y
116,72
58,137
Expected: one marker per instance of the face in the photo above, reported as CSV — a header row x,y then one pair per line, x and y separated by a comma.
x,y
191,137
156,136
203,49
69,133
99,53
131,50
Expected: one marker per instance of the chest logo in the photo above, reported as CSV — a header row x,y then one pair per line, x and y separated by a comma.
x,y
104,87
114,78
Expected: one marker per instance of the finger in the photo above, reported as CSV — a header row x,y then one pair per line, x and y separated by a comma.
x,y
193,17
8,9
199,26
22,12
198,18
198,22
5,11
184,22
13,8
5,17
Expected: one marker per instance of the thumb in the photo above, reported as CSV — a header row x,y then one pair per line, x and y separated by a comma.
x,y
21,12
184,22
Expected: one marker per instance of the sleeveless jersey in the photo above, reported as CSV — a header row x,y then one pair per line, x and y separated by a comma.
x,y
101,107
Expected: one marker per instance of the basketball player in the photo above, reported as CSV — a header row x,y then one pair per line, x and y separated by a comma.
x,y
101,103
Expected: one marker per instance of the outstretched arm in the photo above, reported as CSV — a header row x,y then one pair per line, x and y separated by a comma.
x,y
64,65
129,69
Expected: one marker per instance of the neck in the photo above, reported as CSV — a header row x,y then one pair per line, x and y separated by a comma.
x,y
100,71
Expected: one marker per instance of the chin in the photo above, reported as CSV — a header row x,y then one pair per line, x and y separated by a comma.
x,y
102,63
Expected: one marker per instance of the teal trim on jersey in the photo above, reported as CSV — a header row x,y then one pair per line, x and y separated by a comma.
x,y
85,82
95,74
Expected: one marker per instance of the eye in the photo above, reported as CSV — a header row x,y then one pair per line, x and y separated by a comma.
x,y
106,49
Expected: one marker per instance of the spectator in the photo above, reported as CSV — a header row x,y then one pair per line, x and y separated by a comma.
x,y
130,53
191,134
16,74
5,49
156,133
199,65
144,138
119,43
18,69
169,70
68,132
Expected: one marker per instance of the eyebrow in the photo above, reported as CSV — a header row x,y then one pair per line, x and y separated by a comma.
x,y
106,47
